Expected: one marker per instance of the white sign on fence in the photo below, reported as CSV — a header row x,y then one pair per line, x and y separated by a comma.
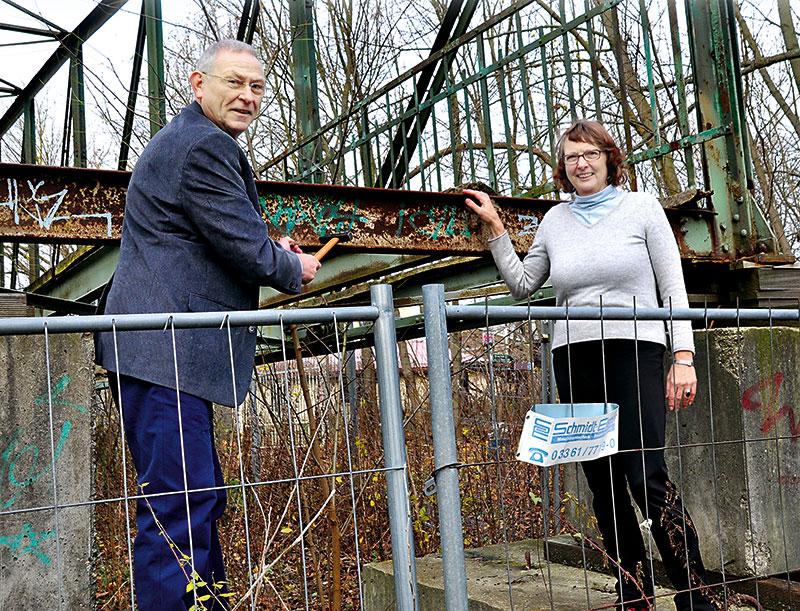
x,y
562,432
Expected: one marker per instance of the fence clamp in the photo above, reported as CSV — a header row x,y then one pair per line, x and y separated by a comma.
x,y
430,485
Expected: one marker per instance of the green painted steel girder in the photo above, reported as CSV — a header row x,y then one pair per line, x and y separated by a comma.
x,y
29,133
339,276
102,13
740,228
78,106
155,65
304,56
130,107
79,277
21,29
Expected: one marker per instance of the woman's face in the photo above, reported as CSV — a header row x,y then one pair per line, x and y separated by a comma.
x,y
587,176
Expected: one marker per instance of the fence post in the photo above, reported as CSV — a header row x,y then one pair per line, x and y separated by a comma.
x,y
394,450
444,449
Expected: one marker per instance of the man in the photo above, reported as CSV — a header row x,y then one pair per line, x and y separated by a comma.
x,y
192,241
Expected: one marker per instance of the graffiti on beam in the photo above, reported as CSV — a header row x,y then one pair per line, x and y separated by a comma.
x,y
529,224
325,215
42,208
434,223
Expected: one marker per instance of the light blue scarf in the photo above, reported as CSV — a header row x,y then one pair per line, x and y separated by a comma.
x,y
591,208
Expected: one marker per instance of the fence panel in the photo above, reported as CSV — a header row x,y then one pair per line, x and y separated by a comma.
x,y
732,457
309,498
309,494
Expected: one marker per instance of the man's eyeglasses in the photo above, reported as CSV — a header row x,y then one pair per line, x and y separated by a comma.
x,y
237,85
592,155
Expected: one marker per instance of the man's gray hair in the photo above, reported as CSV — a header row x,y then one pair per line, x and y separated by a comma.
x,y
209,56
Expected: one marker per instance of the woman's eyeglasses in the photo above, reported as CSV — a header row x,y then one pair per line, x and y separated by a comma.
x,y
592,155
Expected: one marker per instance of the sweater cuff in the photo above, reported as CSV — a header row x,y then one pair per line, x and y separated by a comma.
x,y
499,237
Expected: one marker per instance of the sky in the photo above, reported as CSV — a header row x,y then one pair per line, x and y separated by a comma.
x,y
107,53
114,42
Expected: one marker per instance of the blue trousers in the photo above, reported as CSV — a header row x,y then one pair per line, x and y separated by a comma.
x,y
163,570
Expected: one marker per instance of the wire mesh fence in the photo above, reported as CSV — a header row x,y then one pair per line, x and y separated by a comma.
x,y
729,458
304,457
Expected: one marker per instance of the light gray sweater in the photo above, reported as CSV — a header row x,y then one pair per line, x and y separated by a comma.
x,y
629,252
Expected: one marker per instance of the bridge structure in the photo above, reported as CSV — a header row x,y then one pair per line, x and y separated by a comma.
x,y
485,107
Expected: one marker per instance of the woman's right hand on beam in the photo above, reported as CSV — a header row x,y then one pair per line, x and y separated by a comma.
x,y
481,204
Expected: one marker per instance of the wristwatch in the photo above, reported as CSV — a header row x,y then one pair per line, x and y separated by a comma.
x,y
683,362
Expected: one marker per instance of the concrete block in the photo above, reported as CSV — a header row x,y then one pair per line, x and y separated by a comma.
x,y
735,454
44,555
534,585
488,577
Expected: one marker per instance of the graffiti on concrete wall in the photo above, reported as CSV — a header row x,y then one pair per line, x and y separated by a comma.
x,y
764,396
23,463
27,542
41,208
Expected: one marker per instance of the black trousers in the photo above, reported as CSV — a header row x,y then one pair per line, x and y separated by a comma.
x,y
594,372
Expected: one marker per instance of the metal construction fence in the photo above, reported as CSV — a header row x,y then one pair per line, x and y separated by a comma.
x,y
331,462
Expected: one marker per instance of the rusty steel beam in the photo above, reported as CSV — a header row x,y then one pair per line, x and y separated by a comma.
x,y
386,220
85,206
72,205
60,205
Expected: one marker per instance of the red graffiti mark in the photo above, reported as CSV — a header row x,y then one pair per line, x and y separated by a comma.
x,y
767,407
790,479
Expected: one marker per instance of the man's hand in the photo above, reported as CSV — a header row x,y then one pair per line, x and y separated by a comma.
x,y
310,266
289,244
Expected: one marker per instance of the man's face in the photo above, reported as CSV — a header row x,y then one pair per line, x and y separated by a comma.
x,y
225,92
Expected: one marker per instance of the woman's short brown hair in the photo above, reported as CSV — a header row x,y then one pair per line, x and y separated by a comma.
x,y
591,132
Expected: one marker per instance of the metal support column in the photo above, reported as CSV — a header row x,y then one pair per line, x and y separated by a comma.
x,y
444,449
155,66
29,132
743,231
78,105
394,448
28,156
136,70
304,55
247,24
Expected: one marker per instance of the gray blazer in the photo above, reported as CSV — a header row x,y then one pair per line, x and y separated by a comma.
x,y
193,240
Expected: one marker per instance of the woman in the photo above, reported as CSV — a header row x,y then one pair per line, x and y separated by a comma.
x,y
614,248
